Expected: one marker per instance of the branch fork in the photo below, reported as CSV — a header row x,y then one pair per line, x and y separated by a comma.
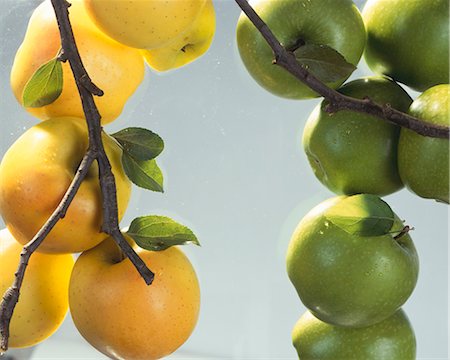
x,y
96,152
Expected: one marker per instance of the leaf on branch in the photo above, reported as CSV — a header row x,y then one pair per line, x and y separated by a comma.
x,y
363,215
139,143
157,233
45,86
144,173
324,62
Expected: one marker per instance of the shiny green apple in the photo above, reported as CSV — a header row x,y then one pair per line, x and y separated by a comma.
x,y
351,279
424,161
337,24
391,339
352,152
408,40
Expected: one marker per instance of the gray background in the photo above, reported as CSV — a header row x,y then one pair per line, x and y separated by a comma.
x,y
235,173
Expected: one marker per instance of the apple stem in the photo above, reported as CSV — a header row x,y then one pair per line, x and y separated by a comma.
x,y
96,152
286,59
298,44
406,229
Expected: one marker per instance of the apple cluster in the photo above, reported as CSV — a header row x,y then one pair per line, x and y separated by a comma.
x,y
112,307
351,259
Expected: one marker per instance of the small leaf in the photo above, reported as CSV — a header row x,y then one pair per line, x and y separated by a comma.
x,y
45,86
364,215
144,173
324,62
139,143
157,233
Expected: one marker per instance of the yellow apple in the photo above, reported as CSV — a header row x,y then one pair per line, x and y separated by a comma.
x,y
144,24
122,317
188,47
43,300
36,172
113,67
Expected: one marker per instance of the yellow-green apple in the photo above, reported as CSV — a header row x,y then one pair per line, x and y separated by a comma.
x,y
424,161
113,67
35,173
122,317
144,24
187,47
391,339
351,152
409,40
337,24
352,277
43,300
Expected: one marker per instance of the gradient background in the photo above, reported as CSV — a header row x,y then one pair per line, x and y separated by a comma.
x,y
235,173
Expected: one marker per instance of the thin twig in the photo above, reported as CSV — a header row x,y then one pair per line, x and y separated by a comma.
x,y
11,296
95,152
338,101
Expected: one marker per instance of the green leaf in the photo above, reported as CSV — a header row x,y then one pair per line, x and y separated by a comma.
x,y
157,233
139,143
144,173
364,215
45,86
324,62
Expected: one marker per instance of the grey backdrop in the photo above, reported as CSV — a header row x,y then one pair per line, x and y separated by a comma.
x,y
235,173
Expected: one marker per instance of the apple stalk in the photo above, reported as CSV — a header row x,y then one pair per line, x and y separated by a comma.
x,y
286,59
96,152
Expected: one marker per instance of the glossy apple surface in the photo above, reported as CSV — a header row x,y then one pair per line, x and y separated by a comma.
x,y
348,279
352,152
408,40
144,24
43,300
391,339
424,161
337,24
35,173
118,314
116,69
188,47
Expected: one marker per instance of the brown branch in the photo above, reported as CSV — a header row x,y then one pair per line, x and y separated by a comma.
x,y
87,89
338,101
11,296
95,152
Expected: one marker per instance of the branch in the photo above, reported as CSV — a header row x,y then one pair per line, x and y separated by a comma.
x,y
338,101
11,296
95,152
87,89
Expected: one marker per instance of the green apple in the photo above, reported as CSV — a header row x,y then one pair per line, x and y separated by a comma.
x,y
352,152
424,161
188,47
347,278
391,339
337,24
409,40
